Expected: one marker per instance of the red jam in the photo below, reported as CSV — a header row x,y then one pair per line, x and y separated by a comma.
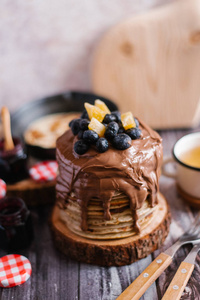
x,y
13,162
16,230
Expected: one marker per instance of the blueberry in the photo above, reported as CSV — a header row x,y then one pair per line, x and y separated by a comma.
x,y
80,147
134,133
75,126
102,145
90,136
117,115
84,115
109,118
121,141
80,134
111,130
121,129
84,124
70,123
136,122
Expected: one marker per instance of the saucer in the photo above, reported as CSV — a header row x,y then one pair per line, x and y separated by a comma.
x,y
192,201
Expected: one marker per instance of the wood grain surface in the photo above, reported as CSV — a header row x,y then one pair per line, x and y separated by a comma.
x,y
56,277
145,64
32,192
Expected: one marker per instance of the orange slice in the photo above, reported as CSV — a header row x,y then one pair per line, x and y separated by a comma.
x,y
89,108
95,112
128,120
97,126
100,104
98,114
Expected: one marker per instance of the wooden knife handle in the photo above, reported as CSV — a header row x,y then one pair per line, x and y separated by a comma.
x,y
179,281
146,278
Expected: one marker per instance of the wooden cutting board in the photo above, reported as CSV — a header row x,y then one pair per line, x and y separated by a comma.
x,y
150,65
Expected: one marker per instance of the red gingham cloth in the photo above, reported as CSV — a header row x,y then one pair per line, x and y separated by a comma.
x,y
2,188
44,171
15,269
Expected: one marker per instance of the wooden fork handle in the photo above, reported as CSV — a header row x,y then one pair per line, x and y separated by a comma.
x,y
179,281
146,278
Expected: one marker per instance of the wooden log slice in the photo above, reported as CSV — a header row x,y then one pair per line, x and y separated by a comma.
x,y
33,193
117,252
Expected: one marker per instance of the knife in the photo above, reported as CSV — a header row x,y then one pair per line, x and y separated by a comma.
x,y
182,276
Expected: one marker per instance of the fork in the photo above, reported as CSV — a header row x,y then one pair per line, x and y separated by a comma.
x,y
180,279
137,288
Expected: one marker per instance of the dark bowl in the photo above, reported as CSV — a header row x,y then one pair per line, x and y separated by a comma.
x,y
66,102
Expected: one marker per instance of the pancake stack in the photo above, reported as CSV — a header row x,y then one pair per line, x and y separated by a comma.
x,y
120,225
110,194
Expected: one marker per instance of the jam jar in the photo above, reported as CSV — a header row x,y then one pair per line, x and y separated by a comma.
x,y
13,163
16,230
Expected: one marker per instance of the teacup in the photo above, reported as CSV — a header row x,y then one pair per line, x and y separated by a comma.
x,y
186,154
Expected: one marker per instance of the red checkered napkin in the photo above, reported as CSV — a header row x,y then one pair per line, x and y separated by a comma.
x,y
15,269
2,188
44,171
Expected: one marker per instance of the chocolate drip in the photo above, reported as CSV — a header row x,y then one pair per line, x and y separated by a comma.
x,y
134,171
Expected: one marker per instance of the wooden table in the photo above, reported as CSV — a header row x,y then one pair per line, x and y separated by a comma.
x,y
55,276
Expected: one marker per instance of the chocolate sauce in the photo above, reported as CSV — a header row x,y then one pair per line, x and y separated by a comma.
x,y
15,224
134,172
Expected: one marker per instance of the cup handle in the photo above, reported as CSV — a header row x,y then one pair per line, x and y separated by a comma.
x,y
166,173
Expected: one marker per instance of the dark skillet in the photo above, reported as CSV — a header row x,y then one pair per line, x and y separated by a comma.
x,y
66,102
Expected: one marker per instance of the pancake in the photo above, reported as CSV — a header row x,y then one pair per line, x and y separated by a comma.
x,y
43,132
119,226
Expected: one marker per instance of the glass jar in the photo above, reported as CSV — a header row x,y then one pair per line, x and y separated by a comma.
x,y
16,230
13,163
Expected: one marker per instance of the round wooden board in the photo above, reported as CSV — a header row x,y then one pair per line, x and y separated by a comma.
x,y
192,201
117,252
130,58
33,193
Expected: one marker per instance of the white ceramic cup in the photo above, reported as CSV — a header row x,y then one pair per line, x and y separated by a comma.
x,y
187,177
